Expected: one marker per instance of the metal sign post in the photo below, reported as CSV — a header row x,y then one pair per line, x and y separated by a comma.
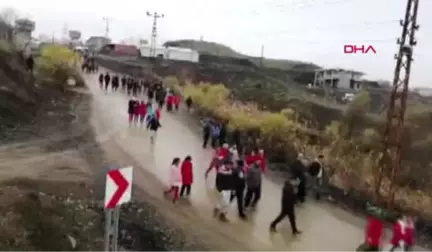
x,y
112,218
118,191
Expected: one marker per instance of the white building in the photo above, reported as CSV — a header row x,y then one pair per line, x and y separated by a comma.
x,y
95,43
337,78
424,91
136,41
171,53
22,34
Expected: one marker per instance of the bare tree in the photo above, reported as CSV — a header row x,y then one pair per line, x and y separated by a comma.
x,y
8,15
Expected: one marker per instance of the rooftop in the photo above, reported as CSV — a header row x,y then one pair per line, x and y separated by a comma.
x,y
339,70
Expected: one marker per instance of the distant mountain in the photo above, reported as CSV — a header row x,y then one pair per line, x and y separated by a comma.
x,y
212,48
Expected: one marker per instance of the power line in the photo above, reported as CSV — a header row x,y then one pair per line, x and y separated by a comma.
x,y
155,17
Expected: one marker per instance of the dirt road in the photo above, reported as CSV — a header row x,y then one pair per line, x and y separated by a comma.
x,y
324,227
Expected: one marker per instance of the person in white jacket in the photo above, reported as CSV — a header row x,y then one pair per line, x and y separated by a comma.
x,y
235,157
175,180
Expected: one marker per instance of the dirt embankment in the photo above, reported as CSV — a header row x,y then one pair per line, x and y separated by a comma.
x,y
48,161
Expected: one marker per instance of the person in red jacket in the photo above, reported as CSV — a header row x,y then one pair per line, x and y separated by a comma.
x,y
223,151
176,102
158,113
250,158
214,164
170,102
187,176
136,111
403,232
409,233
373,233
142,109
261,159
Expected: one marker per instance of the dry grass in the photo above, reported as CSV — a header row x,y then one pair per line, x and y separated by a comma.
x,y
282,132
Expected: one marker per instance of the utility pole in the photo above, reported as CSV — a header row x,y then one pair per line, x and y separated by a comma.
x,y
262,56
394,131
65,31
107,24
155,17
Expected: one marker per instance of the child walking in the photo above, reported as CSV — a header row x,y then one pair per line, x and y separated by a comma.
x,y
142,112
175,180
153,126
176,102
187,176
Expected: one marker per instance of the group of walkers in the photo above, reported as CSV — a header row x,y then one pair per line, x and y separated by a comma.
x,y
89,65
144,113
239,174
215,132
181,178
237,178
402,237
133,86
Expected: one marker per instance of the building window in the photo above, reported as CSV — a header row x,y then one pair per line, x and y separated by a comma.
x,y
335,83
352,84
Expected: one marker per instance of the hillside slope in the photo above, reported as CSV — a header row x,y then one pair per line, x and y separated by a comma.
x,y
212,48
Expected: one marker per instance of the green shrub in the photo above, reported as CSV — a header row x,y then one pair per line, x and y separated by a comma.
x,y
59,63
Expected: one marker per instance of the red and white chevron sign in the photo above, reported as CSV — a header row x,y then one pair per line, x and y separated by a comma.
x,y
118,188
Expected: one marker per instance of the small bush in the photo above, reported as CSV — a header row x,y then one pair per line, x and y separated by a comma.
x,y
352,161
58,62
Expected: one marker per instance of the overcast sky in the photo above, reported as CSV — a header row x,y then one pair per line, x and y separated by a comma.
x,y
306,30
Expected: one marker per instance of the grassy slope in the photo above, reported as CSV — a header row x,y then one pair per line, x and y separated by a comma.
x,y
213,48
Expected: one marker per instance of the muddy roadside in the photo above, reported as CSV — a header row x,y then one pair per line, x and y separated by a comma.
x,y
47,194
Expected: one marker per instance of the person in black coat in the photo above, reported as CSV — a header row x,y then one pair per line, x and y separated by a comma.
x,y
129,85
150,94
287,208
223,133
131,110
107,78
30,63
123,81
135,87
206,134
101,80
298,171
189,103
115,83
239,180
153,126
316,171
224,185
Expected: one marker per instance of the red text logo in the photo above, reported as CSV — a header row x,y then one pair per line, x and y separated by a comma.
x,y
362,49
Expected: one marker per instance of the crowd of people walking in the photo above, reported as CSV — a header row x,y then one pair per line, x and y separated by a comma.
x,y
147,99
238,171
